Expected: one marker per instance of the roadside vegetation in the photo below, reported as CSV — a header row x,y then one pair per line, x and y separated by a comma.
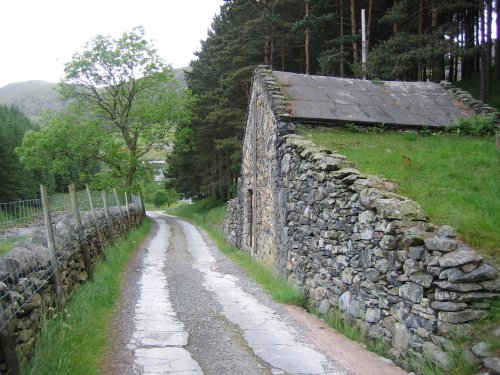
x,y
77,345
456,179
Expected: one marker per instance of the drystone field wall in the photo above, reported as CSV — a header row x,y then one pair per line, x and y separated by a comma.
x,y
356,245
24,272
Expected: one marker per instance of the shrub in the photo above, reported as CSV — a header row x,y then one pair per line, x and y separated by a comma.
x,y
475,126
165,197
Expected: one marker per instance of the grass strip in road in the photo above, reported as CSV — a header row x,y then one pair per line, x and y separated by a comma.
x,y
209,214
77,345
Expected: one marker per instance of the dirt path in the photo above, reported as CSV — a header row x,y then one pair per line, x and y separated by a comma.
x,y
187,309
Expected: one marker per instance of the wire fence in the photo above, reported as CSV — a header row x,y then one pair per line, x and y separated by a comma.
x,y
29,270
22,213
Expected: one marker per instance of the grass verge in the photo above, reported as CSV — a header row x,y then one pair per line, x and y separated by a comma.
x,y
8,244
455,179
209,214
76,346
335,320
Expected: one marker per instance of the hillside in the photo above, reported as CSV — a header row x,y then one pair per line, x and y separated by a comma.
x,y
31,97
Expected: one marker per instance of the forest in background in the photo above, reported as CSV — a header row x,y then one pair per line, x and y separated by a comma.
x,y
16,182
411,40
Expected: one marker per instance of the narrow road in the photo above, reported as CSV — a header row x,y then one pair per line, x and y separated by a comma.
x,y
187,309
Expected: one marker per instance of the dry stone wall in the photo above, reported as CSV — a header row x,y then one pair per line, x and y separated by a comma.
x,y
356,245
24,273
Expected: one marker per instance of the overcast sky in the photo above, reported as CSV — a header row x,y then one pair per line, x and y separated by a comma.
x,y
38,36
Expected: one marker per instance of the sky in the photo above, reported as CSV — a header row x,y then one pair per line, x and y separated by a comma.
x,y
38,36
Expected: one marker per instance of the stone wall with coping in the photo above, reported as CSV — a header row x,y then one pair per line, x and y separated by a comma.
x,y
477,106
357,245
352,243
24,273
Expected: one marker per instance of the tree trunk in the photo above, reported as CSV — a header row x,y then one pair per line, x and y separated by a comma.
x,y
308,37
483,70
438,59
468,61
341,6
282,58
354,30
267,36
488,45
420,30
497,42
485,86
369,25
395,24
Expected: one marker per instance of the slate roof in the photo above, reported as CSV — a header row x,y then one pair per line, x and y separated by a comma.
x,y
332,99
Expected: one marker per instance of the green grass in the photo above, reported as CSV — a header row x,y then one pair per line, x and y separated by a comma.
x,y
455,179
472,85
8,244
209,214
335,320
77,345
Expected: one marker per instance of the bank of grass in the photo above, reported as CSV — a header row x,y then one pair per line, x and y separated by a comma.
x,y
8,244
455,179
76,345
209,214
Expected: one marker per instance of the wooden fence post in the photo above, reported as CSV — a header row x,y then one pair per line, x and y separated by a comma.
x,y
8,346
96,224
136,209
54,263
81,231
108,216
143,206
128,211
124,227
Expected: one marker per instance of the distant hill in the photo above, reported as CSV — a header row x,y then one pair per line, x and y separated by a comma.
x,y
32,97
180,75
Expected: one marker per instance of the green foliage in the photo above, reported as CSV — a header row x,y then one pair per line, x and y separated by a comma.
x,y
335,319
165,197
465,170
209,214
8,244
405,43
77,345
124,88
475,126
16,183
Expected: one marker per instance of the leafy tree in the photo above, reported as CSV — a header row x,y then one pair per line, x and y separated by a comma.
x,y
165,197
130,94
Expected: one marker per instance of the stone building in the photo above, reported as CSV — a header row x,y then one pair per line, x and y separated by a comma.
x,y
347,239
